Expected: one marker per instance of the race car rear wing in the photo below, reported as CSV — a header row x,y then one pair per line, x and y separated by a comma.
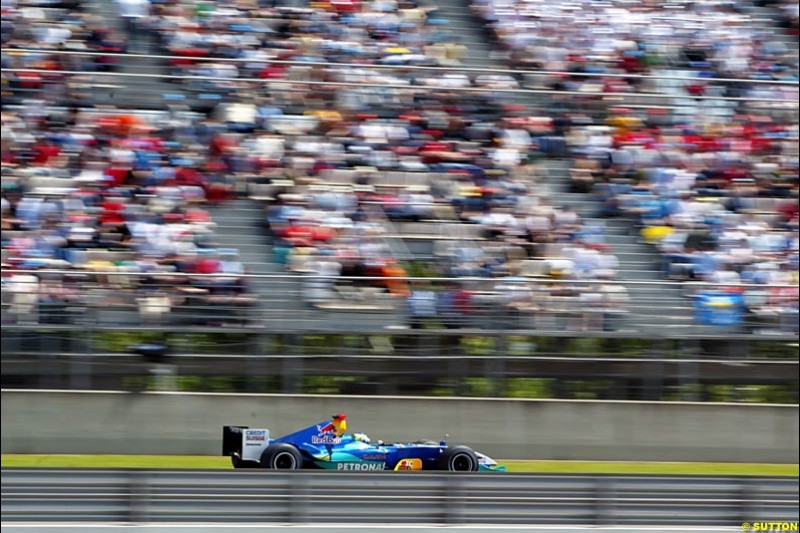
x,y
232,440
244,442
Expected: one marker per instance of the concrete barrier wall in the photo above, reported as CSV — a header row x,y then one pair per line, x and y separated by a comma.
x,y
166,423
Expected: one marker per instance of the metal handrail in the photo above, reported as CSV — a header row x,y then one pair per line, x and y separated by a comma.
x,y
655,334
396,67
294,277
410,88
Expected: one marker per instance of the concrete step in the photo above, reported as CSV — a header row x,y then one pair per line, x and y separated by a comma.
x,y
240,226
231,221
633,247
469,31
613,226
623,239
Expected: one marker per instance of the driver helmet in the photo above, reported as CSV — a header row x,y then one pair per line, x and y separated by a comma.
x,y
361,437
339,422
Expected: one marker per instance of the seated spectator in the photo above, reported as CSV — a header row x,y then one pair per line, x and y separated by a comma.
x,y
421,305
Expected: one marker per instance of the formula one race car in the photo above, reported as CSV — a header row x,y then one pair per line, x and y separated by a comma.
x,y
326,445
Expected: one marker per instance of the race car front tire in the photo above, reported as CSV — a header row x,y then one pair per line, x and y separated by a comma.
x,y
281,456
458,459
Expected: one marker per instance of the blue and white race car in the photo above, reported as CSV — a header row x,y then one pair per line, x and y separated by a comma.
x,y
327,445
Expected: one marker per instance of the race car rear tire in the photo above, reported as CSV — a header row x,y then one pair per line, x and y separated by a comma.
x,y
238,462
281,456
458,459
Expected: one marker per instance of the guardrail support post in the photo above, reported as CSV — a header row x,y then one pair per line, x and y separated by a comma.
x,y
748,500
137,497
605,502
299,491
454,491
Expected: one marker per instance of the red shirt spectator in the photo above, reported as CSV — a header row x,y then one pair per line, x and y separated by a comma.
x,y
207,266
42,153
188,176
118,174
112,213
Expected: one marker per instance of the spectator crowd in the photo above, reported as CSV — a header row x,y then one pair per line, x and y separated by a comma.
x,y
360,182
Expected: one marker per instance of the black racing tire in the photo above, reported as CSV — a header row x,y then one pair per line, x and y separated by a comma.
x,y
458,459
281,456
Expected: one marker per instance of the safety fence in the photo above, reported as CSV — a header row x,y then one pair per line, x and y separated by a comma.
x,y
327,498
105,295
526,367
391,87
402,68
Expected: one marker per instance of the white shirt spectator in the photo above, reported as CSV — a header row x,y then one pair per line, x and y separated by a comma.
x,y
538,224
134,8
506,157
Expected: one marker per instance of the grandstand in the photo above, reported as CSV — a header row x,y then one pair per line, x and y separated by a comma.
x,y
484,192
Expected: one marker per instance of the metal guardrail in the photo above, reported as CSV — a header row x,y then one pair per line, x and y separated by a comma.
x,y
329,498
339,528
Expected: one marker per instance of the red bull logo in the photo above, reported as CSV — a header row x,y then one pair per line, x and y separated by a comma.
x,y
331,432
327,428
325,435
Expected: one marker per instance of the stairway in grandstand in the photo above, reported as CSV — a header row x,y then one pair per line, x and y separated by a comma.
x,y
131,92
468,31
660,305
765,22
240,225
769,18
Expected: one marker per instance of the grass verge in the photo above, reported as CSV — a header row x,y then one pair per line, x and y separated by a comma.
x,y
545,467
625,467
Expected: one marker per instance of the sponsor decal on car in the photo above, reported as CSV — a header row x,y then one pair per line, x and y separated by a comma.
x,y
374,456
359,466
326,434
409,464
325,439
255,437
